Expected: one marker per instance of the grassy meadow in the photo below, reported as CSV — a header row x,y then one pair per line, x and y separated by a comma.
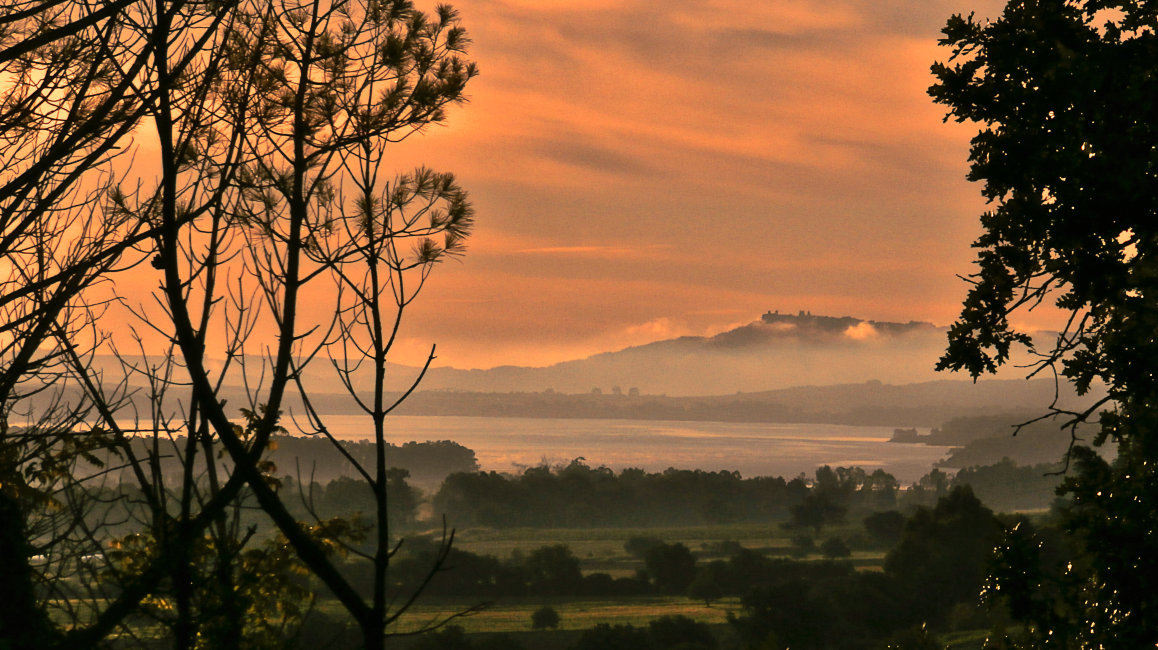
x,y
601,550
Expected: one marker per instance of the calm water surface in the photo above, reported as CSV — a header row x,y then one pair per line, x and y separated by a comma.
x,y
506,444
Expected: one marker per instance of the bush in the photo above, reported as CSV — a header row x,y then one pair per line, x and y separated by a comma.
x,y
682,632
834,547
726,547
639,545
885,527
704,587
453,637
614,637
802,544
545,617
671,567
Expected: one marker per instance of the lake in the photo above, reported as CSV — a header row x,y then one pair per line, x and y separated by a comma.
x,y
753,449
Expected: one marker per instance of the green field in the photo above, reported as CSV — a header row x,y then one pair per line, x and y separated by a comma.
x,y
514,615
601,549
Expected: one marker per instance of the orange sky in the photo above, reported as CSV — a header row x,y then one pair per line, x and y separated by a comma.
x,y
648,169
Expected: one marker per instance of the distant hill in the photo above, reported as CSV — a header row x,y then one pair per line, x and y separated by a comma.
x,y
927,404
776,352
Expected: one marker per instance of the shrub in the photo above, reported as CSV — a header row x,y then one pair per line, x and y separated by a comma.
x,y
545,617
834,547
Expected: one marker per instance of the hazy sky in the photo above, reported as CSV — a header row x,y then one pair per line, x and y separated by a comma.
x,y
643,170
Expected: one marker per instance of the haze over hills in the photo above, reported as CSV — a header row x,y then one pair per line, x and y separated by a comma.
x,y
780,368
872,403
778,351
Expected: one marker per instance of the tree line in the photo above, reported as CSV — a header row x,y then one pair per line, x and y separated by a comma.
x,y
581,496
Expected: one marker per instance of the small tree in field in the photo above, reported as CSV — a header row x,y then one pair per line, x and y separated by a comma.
x,y
544,618
671,567
704,587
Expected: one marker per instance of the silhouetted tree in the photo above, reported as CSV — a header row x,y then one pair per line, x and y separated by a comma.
x,y
680,632
943,554
880,490
816,511
1065,95
885,527
705,587
781,615
639,545
271,121
544,617
671,567
614,637
454,637
554,570
835,547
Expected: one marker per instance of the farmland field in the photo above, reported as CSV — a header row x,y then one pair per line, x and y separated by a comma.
x,y
514,614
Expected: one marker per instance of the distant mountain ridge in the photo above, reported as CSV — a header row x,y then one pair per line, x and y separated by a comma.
x,y
775,352
925,404
805,321
781,368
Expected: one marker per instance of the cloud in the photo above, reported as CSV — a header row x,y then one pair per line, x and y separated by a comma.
x,y
789,17
655,330
597,251
862,331
595,157
636,161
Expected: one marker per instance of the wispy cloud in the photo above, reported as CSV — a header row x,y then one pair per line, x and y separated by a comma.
x,y
635,161
599,251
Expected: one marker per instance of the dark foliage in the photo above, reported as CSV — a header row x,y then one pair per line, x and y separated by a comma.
x,y
1065,94
638,545
453,637
885,527
680,633
816,511
1007,486
615,637
553,570
544,617
936,571
835,547
943,555
577,495
671,567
